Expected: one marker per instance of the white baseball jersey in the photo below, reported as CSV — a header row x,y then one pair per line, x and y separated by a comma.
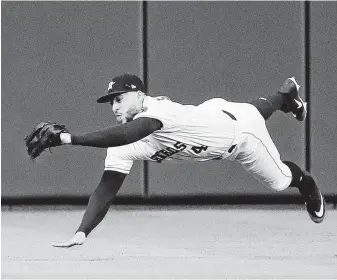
x,y
189,132
206,132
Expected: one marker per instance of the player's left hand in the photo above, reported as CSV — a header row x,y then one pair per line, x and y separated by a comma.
x,y
45,135
78,239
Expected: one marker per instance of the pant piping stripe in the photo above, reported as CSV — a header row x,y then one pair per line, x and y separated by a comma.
x,y
269,153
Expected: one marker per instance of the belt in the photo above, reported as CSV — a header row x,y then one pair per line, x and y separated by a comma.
x,y
233,118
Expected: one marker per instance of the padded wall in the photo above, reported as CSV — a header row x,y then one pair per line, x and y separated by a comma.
x,y
235,50
57,58
323,35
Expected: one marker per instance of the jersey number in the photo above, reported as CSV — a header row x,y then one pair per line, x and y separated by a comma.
x,y
198,150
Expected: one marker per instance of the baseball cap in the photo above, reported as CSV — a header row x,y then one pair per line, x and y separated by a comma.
x,y
121,84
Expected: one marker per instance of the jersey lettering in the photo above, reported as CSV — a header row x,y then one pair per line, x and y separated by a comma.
x,y
156,157
164,153
180,146
169,151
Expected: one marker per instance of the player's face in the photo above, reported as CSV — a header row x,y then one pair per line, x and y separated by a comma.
x,y
124,106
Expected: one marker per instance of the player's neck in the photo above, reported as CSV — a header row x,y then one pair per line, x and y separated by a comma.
x,y
141,103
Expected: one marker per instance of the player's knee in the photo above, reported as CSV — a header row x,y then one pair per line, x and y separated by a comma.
x,y
295,171
281,184
279,187
283,180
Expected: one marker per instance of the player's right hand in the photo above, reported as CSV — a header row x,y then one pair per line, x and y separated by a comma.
x,y
78,239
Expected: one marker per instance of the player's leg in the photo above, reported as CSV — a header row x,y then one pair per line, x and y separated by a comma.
x,y
259,156
287,99
261,159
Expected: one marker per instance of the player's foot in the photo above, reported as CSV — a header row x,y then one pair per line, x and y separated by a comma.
x,y
294,102
314,200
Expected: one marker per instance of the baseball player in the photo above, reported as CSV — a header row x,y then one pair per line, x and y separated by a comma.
x,y
158,129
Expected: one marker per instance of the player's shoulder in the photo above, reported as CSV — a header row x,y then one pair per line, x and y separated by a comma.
x,y
156,103
162,109
149,100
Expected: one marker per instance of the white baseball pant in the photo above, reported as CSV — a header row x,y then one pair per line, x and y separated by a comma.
x,y
257,152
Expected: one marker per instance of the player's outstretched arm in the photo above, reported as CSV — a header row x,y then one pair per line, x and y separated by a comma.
x,y
98,206
114,136
46,135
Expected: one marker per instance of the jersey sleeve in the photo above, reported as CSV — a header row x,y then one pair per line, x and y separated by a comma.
x,y
118,161
121,158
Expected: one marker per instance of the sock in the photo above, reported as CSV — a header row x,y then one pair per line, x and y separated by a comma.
x,y
307,185
296,173
268,105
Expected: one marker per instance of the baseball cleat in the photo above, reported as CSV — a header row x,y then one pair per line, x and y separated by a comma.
x,y
295,103
314,200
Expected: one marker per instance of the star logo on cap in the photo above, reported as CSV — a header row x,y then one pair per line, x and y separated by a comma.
x,y
110,85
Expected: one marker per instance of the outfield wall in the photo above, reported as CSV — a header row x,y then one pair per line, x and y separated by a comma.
x,y
58,57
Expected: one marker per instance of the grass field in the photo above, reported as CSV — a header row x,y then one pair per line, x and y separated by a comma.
x,y
171,242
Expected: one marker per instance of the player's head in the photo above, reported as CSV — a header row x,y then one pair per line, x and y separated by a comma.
x,y
126,95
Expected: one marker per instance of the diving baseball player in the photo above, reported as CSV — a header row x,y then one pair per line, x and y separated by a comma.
x,y
158,129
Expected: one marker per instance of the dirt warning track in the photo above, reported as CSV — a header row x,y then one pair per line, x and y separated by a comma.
x,y
171,242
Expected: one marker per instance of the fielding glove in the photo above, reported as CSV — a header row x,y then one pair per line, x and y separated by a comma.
x,y
45,135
